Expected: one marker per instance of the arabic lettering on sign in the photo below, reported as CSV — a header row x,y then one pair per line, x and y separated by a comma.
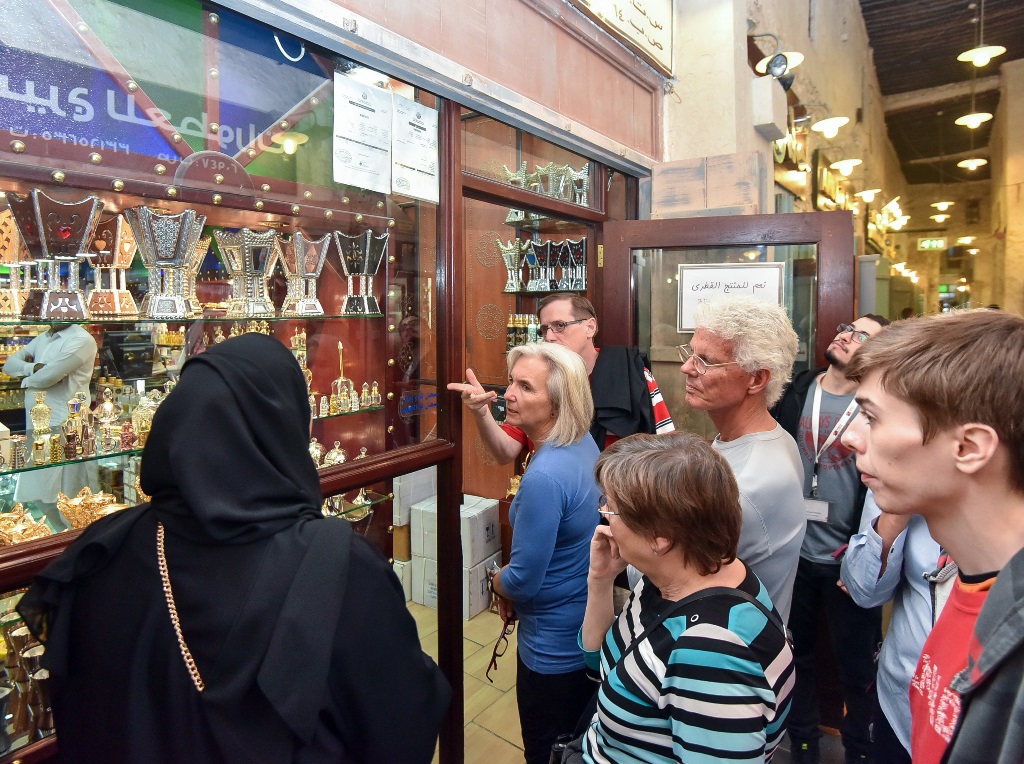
x,y
700,283
414,403
645,25
32,108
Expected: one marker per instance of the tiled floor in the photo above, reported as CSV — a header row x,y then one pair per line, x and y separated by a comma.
x,y
492,721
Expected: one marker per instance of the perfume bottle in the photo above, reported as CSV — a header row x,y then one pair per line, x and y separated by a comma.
x,y
107,414
316,452
342,387
375,399
40,415
142,417
364,397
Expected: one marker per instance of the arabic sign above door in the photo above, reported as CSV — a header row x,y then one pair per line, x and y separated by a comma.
x,y
644,26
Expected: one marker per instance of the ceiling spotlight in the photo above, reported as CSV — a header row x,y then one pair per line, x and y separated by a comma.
x,y
845,166
972,164
868,194
974,120
942,206
973,251
965,240
830,127
940,218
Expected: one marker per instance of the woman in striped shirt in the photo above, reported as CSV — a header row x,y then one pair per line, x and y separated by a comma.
x,y
696,667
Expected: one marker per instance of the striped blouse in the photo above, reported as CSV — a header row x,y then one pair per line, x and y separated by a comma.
x,y
712,683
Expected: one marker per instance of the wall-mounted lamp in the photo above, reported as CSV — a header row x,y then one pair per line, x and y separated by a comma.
x,y
778,62
981,53
940,218
845,166
829,127
942,206
972,164
868,194
289,141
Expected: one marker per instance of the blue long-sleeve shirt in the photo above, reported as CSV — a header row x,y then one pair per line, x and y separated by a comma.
x,y
913,554
553,517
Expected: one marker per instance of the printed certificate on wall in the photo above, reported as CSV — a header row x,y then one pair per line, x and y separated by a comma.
x,y
362,135
699,283
414,157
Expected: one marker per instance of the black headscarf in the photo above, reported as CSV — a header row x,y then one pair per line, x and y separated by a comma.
x,y
227,459
249,552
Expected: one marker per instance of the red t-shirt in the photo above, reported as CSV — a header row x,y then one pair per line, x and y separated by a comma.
x,y
934,705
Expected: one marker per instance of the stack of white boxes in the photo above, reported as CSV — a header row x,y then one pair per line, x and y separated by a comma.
x,y
408,489
481,546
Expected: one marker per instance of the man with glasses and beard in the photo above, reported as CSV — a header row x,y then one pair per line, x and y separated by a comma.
x,y
735,367
816,409
626,396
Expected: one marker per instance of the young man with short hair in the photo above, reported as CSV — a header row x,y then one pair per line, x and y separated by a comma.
x,y
941,434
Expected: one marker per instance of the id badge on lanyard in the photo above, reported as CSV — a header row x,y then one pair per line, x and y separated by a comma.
x,y
817,508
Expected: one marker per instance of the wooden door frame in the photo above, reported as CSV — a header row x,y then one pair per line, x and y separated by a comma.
x,y
831,232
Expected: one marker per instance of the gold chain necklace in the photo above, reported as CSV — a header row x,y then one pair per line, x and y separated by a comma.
x,y
190,662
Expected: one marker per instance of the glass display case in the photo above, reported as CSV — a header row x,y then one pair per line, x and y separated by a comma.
x,y
158,199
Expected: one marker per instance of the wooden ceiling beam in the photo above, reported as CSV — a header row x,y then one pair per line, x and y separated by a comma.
x,y
917,99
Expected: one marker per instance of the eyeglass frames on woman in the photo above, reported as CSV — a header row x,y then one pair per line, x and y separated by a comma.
x,y
557,326
601,504
500,646
855,334
686,353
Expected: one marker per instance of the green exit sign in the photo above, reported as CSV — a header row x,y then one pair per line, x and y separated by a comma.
x,y
931,244
943,288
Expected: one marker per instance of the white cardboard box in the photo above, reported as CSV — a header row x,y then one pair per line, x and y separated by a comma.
x,y
475,596
423,518
481,535
424,581
404,572
410,489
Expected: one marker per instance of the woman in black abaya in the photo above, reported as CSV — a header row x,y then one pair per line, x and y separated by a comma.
x,y
303,649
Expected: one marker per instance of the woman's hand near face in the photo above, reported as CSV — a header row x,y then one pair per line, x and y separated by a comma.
x,y
605,563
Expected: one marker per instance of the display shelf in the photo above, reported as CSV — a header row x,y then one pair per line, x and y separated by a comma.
x,y
84,459
349,509
348,413
525,293
120,321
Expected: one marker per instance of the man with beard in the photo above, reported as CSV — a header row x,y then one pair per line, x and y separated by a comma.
x,y
815,410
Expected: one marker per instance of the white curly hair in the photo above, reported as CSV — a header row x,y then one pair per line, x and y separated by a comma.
x,y
762,335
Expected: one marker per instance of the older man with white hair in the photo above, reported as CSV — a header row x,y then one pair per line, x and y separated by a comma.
x,y
736,366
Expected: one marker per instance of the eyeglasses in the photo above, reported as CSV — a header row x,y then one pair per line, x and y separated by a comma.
x,y
601,504
501,646
557,326
686,354
855,334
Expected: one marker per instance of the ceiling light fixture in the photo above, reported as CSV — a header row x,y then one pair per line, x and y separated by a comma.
x,y
965,240
940,218
974,120
868,194
973,251
972,164
289,141
845,166
942,206
981,53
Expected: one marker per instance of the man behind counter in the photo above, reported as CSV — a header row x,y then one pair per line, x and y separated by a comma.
x,y
60,362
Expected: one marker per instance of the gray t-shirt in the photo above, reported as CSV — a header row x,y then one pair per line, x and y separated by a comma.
x,y
838,479
769,474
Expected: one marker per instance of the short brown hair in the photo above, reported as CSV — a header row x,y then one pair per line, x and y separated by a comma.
x,y
955,369
675,486
581,306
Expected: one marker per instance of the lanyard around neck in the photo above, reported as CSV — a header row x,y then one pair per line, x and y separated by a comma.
x,y
844,420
